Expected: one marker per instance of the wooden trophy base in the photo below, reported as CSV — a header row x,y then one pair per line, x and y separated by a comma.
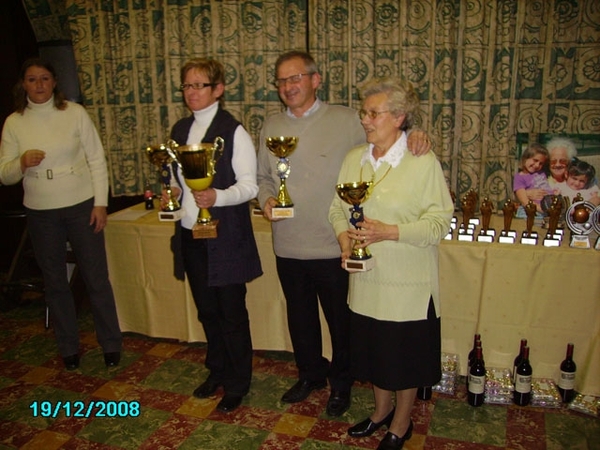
x,y
359,265
280,212
206,230
171,216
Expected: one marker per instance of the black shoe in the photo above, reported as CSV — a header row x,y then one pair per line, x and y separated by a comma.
x,y
206,389
392,442
71,362
301,390
229,402
338,403
112,359
367,427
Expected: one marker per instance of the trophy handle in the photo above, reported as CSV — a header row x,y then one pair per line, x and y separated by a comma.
x,y
170,146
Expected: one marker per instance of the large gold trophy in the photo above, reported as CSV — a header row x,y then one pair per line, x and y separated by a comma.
x,y
197,162
354,194
159,156
282,147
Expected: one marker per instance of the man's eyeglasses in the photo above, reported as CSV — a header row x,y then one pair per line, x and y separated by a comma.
x,y
195,86
294,79
362,113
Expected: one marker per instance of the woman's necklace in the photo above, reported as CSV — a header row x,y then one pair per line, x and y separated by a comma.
x,y
373,183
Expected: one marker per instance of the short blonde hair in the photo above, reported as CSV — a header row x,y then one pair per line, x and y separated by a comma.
x,y
402,97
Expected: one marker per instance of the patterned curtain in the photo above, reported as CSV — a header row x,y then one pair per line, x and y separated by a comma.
x,y
129,54
485,69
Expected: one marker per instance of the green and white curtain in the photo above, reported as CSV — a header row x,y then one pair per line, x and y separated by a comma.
x,y
485,70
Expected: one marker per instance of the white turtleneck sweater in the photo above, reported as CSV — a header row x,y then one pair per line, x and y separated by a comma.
x,y
74,168
243,163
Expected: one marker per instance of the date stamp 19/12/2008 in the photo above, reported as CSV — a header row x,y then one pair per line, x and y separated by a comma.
x,y
89,409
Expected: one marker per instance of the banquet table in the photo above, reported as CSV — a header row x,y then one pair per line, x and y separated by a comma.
x,y
505,292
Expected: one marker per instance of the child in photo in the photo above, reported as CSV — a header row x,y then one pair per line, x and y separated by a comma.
x,y
581,177
531,175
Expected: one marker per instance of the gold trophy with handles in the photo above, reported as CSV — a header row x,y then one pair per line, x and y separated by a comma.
x,y
159,156
282,147
197,162
354,194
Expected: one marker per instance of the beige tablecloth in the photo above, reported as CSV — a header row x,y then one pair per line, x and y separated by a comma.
x,y
506,292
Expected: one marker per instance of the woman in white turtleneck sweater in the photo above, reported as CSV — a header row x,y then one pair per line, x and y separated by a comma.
x,y
52,145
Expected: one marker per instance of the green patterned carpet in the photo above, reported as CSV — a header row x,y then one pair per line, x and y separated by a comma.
x,y
148,404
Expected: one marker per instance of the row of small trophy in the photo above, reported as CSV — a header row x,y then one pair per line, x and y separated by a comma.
x,y
582,217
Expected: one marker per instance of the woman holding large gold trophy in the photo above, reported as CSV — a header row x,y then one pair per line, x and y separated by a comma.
x,y
406,214
220,263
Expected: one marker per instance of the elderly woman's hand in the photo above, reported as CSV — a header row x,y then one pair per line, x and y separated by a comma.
x,y
371,231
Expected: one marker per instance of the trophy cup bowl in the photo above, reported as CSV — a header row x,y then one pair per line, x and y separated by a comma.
x,y
159,156
197,162
355,194
579,218
282,147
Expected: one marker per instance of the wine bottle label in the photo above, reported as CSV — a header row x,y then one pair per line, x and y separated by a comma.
x,y
566,380
476,384
523,384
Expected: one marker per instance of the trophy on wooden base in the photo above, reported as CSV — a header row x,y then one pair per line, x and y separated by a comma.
x,y
508,236
354,194
553,238
579,218
159,156
486,234
282,147
529,236
467,227
197,162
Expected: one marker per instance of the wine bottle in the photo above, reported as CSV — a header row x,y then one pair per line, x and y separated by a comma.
x,y
424,393
566,382
148,197
522,392
471,355
476,389
518,359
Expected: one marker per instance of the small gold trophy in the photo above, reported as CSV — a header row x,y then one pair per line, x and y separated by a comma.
x,y
354,194
197,162
529,236
579,218
508,236
282,147
553,238
159,156
467,227
486,234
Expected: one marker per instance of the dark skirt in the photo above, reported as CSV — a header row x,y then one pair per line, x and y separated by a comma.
x,y
396,355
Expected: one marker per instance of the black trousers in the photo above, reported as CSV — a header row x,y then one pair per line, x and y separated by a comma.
x,y
49,231
224,317
305,283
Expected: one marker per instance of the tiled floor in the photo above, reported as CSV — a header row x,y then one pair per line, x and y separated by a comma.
x,y
161,375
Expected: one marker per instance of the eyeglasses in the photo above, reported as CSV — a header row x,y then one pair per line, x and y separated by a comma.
x,y
195,86
362,113
294,79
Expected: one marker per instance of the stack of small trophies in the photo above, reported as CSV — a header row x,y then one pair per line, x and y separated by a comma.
x,y
581,217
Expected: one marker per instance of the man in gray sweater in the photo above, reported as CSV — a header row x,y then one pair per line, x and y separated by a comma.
x,y
306,248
